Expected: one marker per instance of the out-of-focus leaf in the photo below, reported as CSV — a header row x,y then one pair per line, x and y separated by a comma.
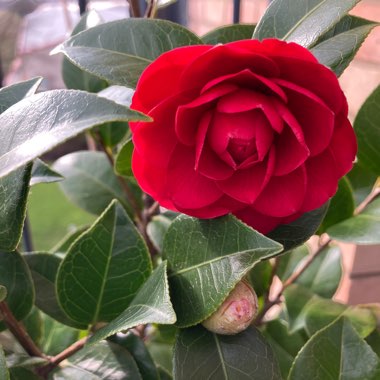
x,y
63,245
290,261
43,173
3,293
260,277
33,325
123,161
157,229
229,33
4,374
207,259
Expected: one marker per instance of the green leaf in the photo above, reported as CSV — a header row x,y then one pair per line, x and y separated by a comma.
x,y
23,360
103,269
20,373
123,161
63,245
342,206
289,262
119,51
164,374
207,259
342,43
37,124
162,354
3,293
156,230
229,33
33,325
90,181
296,233
15,276
151,305
14,93
4,374
260,277
336,352
200,354
367,128
136,347
301,21
360,229
374,341
44,268
14,190
106,360
43,173
73,76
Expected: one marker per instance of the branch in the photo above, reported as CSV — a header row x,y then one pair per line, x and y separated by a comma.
x,y
151,9
134,6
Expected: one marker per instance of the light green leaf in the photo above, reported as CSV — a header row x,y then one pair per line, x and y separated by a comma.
x,y
301,21
4,374
15,276
44,268
296,233
229,33
367,128
103,269
106,360
207,259
360,229
123,161
119,51
37,124
90,181
200,354
14,190
336,353
151,305
156,230
43,173
3,293
342,43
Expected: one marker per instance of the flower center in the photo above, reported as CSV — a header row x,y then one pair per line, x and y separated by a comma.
x,y
241,149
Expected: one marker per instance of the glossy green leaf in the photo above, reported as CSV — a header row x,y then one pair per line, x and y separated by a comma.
x,y
103,269
151,305
106,360
63,245
123,161
367,128
200,354
340,45
15,276
43,173
229,33
207,259
336,353
73,76
119,51
296,233
37,124
290,261
136,347
301,21
157,229
360,229
14,190
44,268
4,374
14,93
342,206
90,181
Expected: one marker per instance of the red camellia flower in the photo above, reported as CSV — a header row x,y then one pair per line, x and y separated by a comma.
x,y
257,129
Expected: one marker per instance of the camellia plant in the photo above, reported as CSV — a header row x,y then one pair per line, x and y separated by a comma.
x,y
217,159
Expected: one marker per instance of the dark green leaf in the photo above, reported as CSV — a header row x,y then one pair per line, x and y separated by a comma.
x,y
200,354
44,268
4,374
360,229
341,207
260,277
301,21
72,75
207,259
140,353
14,93
37,124
43,173
342,43
3,293
64,245
164,374
229,33
90,181
20,373
123,161
14,190
367,128
106,360
374,341
337,353
289,262
296,233
15,276
157,229
33,325
119,51
103,269
151,305
162,354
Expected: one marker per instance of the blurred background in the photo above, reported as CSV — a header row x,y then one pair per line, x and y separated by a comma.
x,y
30,29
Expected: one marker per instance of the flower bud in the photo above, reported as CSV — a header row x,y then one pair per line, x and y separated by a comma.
x,y
236,312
